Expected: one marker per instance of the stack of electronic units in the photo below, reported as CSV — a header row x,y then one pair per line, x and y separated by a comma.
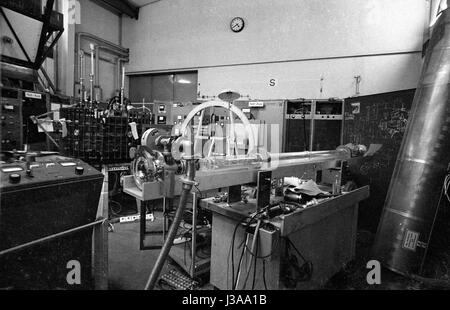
x,y
97,138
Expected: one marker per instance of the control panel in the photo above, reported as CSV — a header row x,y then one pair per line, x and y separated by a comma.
x,y
299,109
162,112
48,170
331,109
11,119
33,103
17,128
180,112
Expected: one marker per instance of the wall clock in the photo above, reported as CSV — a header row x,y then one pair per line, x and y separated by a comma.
x,y
237,24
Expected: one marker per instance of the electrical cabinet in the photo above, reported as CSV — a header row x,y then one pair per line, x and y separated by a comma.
x,y
17,129
313,124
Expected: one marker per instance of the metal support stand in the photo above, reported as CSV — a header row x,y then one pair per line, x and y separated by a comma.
x,y
142,209
165,219
194,234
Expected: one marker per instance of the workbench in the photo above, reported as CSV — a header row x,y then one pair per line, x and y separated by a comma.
x,y
324,234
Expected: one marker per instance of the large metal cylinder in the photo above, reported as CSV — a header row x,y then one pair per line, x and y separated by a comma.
x,y
406,223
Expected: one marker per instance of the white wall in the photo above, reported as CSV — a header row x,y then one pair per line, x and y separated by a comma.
x,y
99,21
278,42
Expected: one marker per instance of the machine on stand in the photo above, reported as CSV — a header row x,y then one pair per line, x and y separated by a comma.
x,y
170,165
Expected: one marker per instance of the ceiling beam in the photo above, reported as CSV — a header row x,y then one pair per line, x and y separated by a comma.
x,y
120,7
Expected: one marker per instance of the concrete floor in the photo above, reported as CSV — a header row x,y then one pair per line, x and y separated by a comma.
x,y
129,268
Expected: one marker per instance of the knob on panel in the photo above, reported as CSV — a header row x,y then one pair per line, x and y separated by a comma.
x,y
79,170
14,178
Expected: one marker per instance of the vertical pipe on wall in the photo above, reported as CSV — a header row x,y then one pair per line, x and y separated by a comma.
x,y
117,79
121,74
92,74
97,72
412,201
81,53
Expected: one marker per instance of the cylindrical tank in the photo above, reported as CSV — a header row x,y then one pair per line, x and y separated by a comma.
x,y
413,197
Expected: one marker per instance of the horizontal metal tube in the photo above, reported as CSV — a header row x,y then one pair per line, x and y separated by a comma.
x,y
51,237
335,154
119,48
253,161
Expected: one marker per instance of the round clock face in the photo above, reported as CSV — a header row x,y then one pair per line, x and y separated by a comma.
x,y
237,24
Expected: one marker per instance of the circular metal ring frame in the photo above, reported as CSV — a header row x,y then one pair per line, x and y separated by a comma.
x,y
227,106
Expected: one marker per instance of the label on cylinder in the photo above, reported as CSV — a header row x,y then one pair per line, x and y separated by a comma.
x,y
410,240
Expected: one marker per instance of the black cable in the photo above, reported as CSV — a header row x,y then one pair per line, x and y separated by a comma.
x,y
306,263
232,251
199,191
199,251
228,268
232,245
293,203
300,254
246,277
254,262
240,262
202,250
249,271
264,274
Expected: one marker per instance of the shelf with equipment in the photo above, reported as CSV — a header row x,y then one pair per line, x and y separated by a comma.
x,y
313,124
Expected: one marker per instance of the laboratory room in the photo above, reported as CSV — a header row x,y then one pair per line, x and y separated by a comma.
x,y
223,151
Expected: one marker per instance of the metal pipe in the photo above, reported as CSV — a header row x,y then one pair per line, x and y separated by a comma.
x,y
255,160
112,46
412,201
98,49
105,59
92,74
187,186
335,154
51,237
103,44
122,69
97,65
194,235
120,61
117,79
81,75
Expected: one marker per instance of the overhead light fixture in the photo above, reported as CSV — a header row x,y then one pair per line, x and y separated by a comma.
x,y
183,81
229,95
